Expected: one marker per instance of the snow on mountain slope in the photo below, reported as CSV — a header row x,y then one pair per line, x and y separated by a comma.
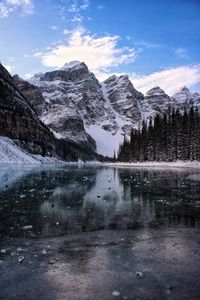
x,y
123,101
11,153
106,142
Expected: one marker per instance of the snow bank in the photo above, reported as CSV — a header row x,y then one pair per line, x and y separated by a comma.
x,y
11,153
155,164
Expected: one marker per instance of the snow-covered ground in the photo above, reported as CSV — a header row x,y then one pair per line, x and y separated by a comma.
x,y
155,164
11,153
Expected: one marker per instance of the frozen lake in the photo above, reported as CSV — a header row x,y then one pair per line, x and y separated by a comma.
x,y
85,233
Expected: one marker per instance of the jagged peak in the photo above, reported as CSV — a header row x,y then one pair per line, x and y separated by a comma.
x,y
37,75
184,89
73,64
114,77
17,77
155,90
111,78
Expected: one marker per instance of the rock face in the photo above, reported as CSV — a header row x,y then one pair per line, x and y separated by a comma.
x,y
124,100
184,99
156,101
31,93
66,124
18,121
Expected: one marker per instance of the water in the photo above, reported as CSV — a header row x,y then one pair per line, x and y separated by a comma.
x,y
65,200
84,233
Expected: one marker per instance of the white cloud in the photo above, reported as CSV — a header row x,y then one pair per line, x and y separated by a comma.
x,y
146,44
28,75
85,5
99,53
38,54
4,10
66,31
182,53
78,5
77,19
74,9
9,6
54,27
170,80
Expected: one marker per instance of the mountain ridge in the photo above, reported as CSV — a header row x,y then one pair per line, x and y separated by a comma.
x,y
108,110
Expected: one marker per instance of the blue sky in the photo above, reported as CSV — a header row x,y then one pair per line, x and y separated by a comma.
x,y
155,42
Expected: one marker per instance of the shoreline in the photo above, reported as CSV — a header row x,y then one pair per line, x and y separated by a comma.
x,y
152,164
157,165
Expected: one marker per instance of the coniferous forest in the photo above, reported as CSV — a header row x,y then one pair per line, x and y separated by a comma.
x,y
174,136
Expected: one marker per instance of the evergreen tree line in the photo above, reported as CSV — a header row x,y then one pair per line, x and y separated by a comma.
x,y
174,136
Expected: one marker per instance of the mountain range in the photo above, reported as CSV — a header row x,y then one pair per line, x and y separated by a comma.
x,y
71,105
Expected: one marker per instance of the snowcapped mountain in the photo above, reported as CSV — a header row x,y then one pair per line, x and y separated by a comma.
x,y
75,106
156,101
73,94
184,99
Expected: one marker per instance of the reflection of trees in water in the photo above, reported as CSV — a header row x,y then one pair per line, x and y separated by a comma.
x,y
166,196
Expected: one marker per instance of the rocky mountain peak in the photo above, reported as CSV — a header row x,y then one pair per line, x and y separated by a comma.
x,y
73,65
184,89
155,91
70,72
123,98
156,101
184,99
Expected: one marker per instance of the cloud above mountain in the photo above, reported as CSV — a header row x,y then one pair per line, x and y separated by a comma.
x,y
99,53
169,80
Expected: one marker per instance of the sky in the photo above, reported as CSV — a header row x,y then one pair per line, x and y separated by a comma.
x,y
157,42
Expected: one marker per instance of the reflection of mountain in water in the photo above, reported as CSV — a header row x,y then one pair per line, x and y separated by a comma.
x,y
123,199
65,200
